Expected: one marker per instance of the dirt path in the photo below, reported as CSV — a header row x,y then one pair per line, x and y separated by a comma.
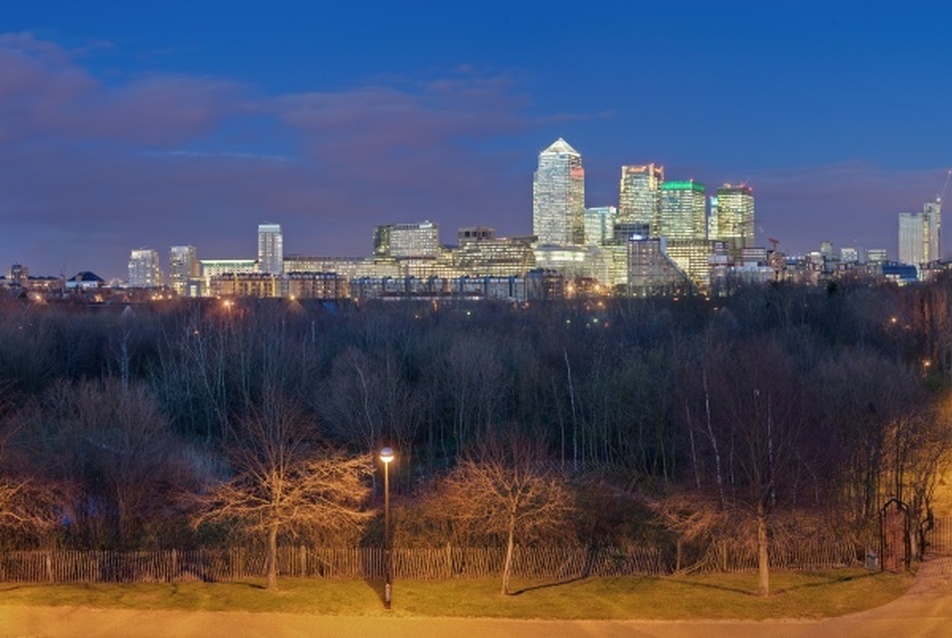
x,y
926,610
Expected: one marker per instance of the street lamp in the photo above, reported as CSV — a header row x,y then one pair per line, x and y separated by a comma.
x,y
386,455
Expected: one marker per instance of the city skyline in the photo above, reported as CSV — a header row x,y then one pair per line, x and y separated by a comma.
x,y
140,126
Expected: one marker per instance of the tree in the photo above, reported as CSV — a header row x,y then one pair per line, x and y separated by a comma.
x,y
27,505
284,479
113,448
508,487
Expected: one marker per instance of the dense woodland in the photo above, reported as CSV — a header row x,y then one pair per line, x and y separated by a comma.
x,y
780,411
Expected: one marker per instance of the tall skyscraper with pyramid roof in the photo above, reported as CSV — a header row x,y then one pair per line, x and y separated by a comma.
x,y
558,196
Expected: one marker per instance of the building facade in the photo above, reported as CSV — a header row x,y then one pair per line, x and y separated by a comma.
x,y
683,211
920,235
144,269
598,223
558,196
418,240
183,265
732,217
639,194
270,249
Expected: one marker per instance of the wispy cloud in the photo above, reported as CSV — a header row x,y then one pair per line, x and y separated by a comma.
x,y
99,167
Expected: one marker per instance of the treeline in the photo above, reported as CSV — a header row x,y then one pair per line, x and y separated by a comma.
x,y
780,410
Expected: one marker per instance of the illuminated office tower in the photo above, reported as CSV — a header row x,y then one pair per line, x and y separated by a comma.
x,y
558,196
639,195
270,249
920,235
732,216
183,265
599,222
682,211
417,240
144,271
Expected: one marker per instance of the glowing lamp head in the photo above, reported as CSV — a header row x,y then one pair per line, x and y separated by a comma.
x,y
386,455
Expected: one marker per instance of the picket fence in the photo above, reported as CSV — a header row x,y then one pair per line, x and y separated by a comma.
x,y
368,563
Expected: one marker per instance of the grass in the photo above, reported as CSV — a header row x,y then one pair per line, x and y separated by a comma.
x,y
713,596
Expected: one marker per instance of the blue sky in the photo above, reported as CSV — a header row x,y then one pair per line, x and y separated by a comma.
x,y
127,125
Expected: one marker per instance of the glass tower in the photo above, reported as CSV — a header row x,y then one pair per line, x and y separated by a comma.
x,y
639,195
920,235
558,196
682,211
732,216
270,249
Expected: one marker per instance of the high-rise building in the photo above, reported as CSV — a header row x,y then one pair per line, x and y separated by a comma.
x,y
558,196
639,194
144,270
683,209
920,235
598,223
183,265
732,217
270,249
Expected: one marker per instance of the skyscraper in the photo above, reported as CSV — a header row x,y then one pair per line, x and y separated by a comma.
x,y
639,195
144,271
920,235
683,210
558,196
270,249
732,216
183,265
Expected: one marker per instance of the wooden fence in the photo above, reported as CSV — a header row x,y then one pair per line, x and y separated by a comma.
x,y
214,565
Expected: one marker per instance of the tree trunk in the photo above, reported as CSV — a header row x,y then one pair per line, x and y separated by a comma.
x,y
510,545
763,556
272,575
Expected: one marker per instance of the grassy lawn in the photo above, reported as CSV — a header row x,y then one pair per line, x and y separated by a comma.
x,y
714,596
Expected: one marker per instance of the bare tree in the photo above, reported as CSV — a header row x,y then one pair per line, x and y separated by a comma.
x,y
113,447
509,487
284,479
27,506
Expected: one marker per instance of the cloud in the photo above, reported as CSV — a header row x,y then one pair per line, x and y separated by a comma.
x,y
45,92
90,169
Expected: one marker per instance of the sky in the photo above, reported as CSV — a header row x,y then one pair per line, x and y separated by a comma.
x,y
129,125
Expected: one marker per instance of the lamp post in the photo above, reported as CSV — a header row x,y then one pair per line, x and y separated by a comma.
x,y
386,455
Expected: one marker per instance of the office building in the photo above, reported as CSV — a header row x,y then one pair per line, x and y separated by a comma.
x,y
639,194
558,196
683,211
650,270
732,217
418,240
920,235
270,249
183,265
480,253
598,223
144,270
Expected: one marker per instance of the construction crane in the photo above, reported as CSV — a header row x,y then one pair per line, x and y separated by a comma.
x,y
773,243
938,198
